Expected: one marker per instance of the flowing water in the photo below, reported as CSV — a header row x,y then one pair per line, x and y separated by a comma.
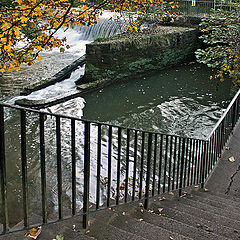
x,y
181,101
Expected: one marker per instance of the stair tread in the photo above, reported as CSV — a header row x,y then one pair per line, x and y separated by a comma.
x,y
193,210
217,202
196,221
117,218
216,210
140,227
103,231
170,224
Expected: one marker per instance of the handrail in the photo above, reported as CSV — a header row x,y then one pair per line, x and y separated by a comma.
x,y
224,115
93,122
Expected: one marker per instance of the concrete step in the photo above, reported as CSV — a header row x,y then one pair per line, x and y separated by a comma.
x,y
217,201
180,205
49,231
228,196
121,219
195,221
102,231
216,210
169,224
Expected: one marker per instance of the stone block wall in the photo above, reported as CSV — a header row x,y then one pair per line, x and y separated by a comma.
x,y
127,57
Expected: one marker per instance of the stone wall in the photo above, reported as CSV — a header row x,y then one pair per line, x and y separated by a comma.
x,y
131,55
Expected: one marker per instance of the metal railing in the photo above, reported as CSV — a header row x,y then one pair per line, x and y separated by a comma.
x,y
202,6
121,164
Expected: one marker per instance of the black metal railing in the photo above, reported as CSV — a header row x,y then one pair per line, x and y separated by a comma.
x,y
117,165
190,7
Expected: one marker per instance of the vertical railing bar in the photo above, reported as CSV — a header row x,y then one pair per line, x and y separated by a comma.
x,y
142,162
149,154
73,143
189,162
160,164
196,161
154,164
99,153
135,165
170,164
127,165
203,164
193,157
59,168
182,167
109,165
43,168
179,161
174,161
185,164
119,164
24,168
211,152
165,165
86,174
199,160
3,179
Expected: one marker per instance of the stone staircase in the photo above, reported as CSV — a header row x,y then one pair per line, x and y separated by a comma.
x,y
195,215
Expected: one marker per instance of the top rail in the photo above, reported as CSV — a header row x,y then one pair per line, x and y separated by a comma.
x,y
90,121
224,114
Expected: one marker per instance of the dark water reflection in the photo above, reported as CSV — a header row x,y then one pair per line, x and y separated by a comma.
x,y
180,101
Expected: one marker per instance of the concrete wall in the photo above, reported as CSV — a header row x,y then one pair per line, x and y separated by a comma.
x,y
127,56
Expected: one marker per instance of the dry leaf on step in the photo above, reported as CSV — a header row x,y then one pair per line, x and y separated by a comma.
x,y
34,232
231,159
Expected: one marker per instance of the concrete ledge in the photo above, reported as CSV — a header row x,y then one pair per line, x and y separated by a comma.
x,y
58,77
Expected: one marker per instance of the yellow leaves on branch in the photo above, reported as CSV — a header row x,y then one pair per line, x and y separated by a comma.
x,y
29,26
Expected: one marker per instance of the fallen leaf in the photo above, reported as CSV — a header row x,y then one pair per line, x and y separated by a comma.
x,y
150,211
141,210
208,229
140,205
160,209
231,159
171,238
34,232
227,148
123,213
88,231
205,190
140,219
161,199
59,237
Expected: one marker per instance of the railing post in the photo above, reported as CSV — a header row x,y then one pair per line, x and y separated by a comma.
x,y
99,150
86,174
203,164
24,168
142,161
59,168
119,163
73,148
127,166
149,154
43,169
182,167
135,165
109,165
3,173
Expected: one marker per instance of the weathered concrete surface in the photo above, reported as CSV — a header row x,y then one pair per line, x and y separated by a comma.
x,y
129,55
226,177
